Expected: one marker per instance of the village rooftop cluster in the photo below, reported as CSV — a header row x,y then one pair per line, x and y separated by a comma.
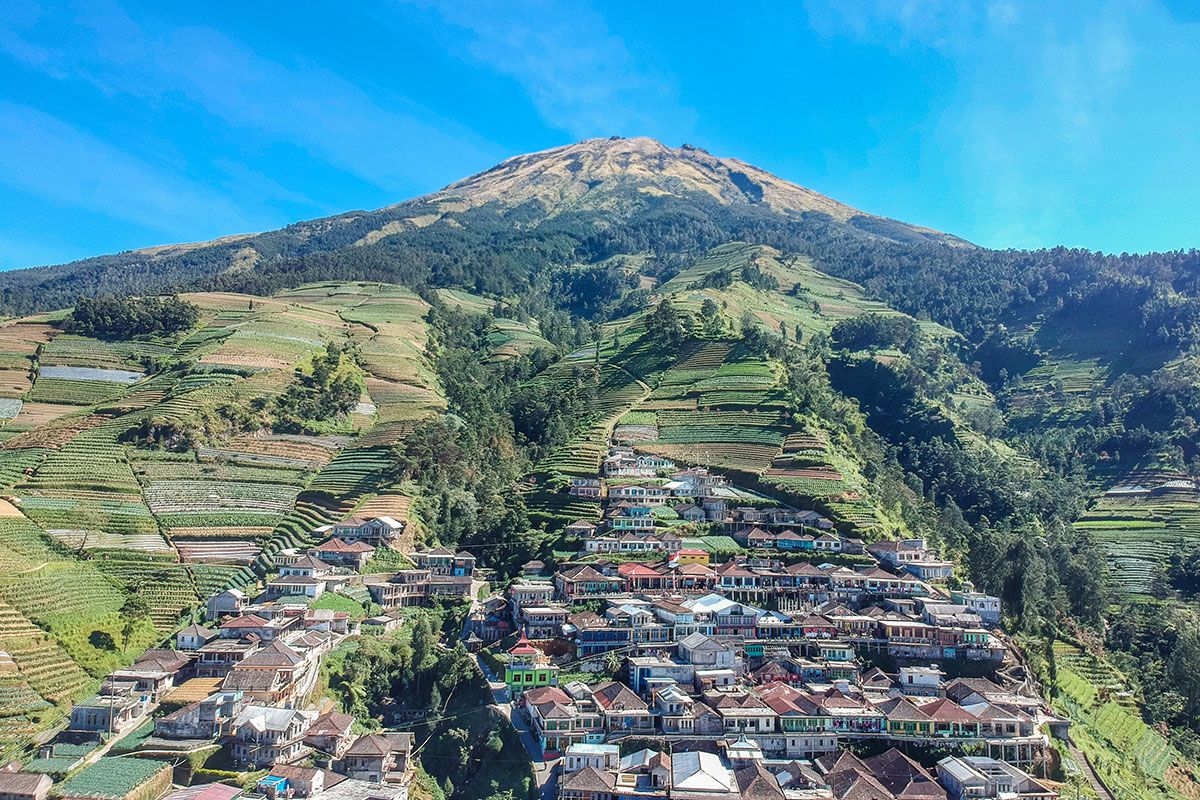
x,y
646,665
750,676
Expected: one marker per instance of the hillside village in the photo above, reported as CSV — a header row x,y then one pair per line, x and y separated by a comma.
x,y
800,663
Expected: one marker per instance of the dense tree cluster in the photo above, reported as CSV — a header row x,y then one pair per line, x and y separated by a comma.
x,y
407,680
327,388
111,317
875,332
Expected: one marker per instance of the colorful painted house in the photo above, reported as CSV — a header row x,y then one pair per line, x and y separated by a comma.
x,y
528,668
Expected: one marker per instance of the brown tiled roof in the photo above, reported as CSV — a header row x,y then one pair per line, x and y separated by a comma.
x,y
589,779
331,723
379,744
250,680
616,696
756,782
336,545
904,777
276,654
23,782
901,709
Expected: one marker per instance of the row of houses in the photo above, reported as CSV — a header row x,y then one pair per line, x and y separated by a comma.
x,y
788,721
261,735
743,577
737,769
924,629
439,572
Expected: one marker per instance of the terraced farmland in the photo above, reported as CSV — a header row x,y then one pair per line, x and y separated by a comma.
x,y
1139,533
1133,759
743,430
92,512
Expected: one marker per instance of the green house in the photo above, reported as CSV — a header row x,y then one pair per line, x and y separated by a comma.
x,y
528,668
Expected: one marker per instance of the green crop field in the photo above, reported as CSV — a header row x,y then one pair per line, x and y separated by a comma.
x,y
95,514
1133,759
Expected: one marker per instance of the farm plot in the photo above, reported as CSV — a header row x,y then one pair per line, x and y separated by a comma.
x,y
78,606
1139,534
1108,719
269,451
114,778
86,491
213,578
396,402
62,391
167,588
15,378
219,551
216,503
78,541
353,472
56,431
260,344
392,337
41,664
23,545
743,429
15,465
91,374
510,337
67,350
559,509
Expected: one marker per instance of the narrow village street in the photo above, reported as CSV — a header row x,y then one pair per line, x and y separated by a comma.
x,y
545,772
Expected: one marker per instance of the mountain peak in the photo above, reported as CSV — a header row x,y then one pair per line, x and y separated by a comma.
x,y
592,173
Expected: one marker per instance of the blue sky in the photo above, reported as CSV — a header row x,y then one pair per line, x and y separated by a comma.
x,y
128,124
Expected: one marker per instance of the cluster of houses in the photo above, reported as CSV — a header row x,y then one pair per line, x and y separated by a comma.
x,y
440,572
738,770
758,672
702,660
251,674
634,485
270,659
788,706
244,678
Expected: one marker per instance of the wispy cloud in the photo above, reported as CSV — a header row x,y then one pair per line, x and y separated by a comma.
x,y
382,139
580,76
49,158
1037,96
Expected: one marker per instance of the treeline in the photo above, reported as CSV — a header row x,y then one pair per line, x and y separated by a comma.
x,y
1009,524
112,317
470,461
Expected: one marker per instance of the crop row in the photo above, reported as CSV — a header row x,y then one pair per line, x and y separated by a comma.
x,y
80,351
689,434
76,393
191,496
154,472
166,588
354,471
218,551
758,419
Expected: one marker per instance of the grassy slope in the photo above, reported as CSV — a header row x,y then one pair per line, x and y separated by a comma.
x,y
1133,759
90,517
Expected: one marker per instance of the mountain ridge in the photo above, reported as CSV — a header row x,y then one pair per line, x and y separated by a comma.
x,y
613,182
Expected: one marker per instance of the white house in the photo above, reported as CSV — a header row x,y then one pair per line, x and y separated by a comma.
x,y
597,756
